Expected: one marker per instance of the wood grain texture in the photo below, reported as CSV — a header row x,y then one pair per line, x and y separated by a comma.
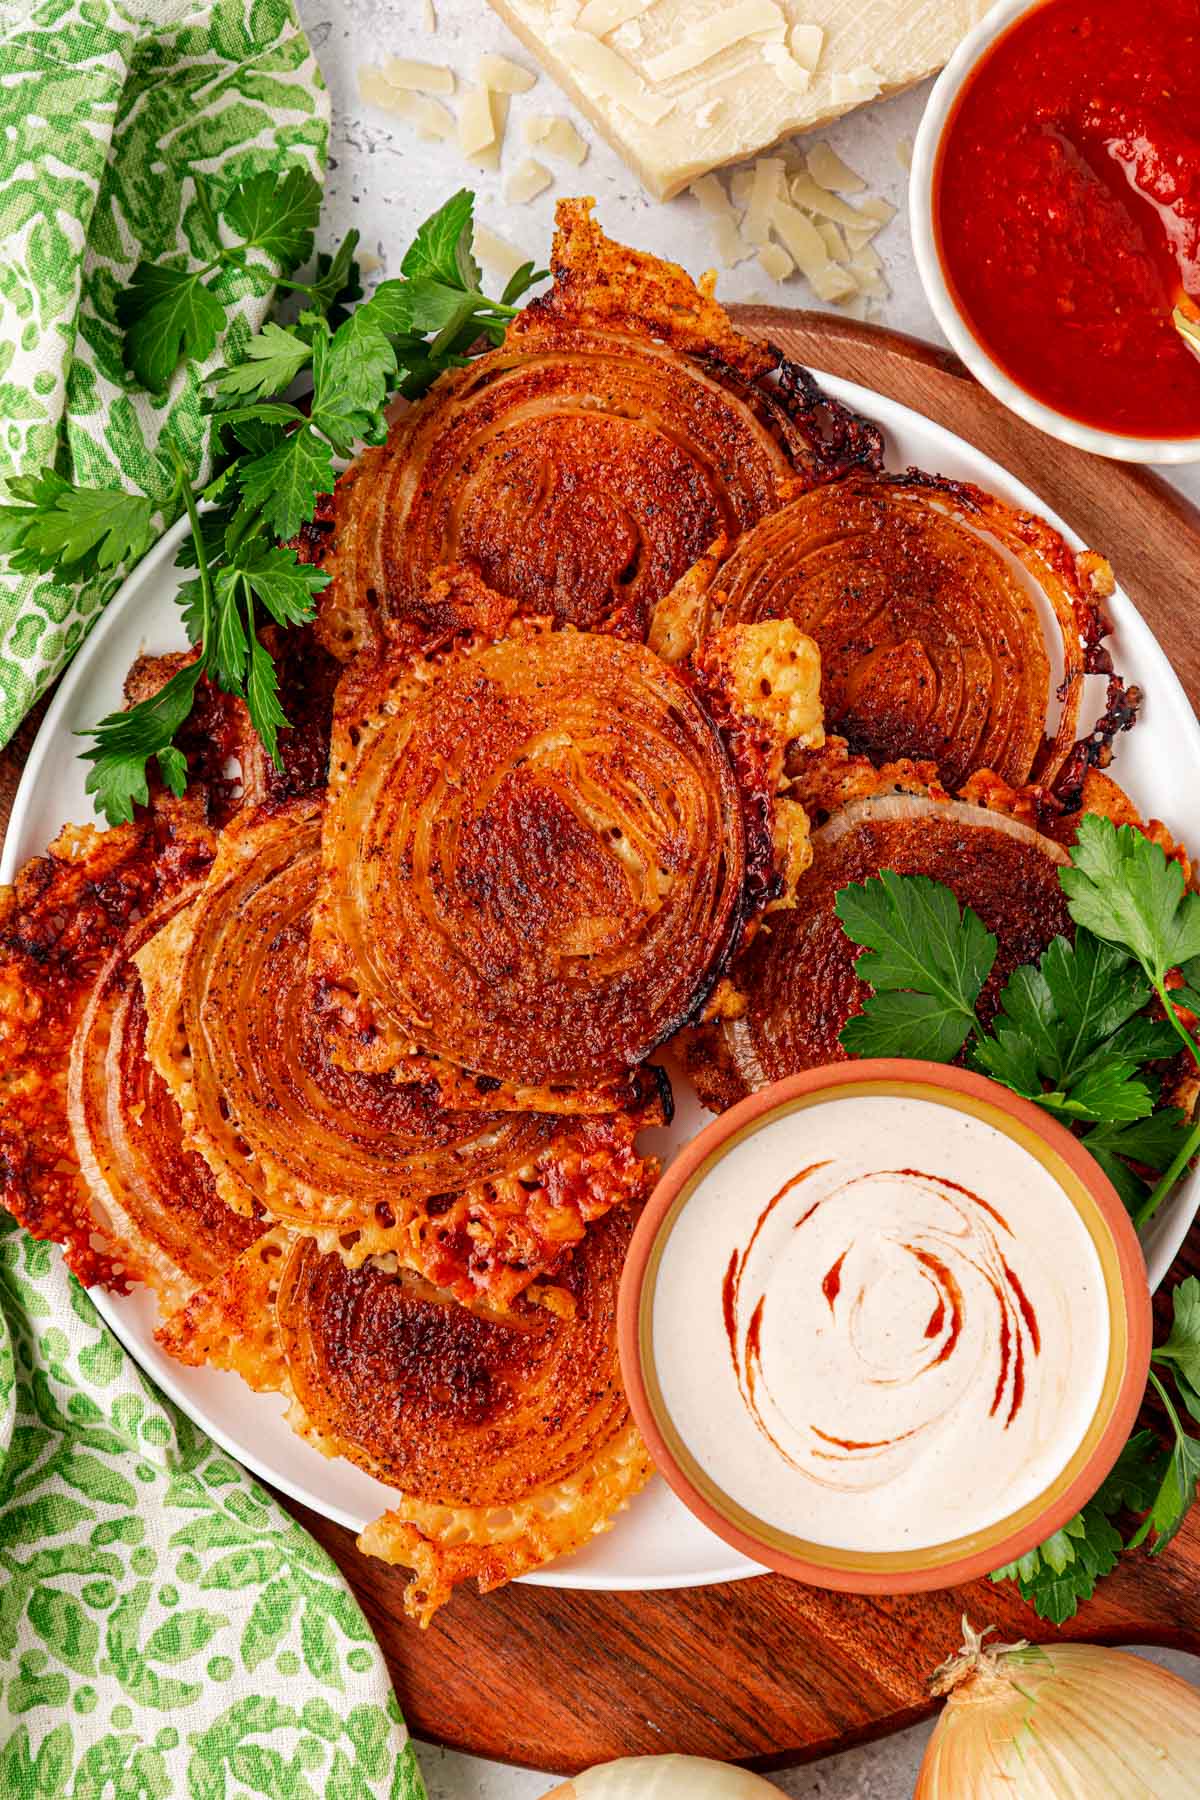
x,y
768,1671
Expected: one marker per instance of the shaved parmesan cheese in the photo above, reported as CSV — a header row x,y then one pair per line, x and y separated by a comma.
x,y
612,76
803,241
557,136
500,76
628,36
883,210
741,184
497,254
709,113
792,74
767,186
855,86
833,240
711,194
732,247
774,261
527,180
814,199
430,118
602,16
428,16
426,78
806,42
866,258
829,171
904,150
720,31
476,127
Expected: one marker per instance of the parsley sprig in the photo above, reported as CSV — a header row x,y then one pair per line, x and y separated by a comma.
x,y
276,449
1071,1031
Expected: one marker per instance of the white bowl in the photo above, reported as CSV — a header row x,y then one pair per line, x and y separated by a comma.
x,y
1059,425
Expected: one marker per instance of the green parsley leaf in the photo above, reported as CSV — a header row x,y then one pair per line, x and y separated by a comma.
x,y
262,699
79,531
1121,887
1183,1345
337,283
352,376
276,217
520,281
167,314
285,587
286,481
1152,1142
916,938
442,246
274,358
125,741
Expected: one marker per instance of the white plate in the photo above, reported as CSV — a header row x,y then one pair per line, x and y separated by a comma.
x,y
657,1543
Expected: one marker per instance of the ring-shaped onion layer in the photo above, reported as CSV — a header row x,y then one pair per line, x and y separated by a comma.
x,y
479,1202
931,643
580,471
534,863
509,1438
798,976
154,1196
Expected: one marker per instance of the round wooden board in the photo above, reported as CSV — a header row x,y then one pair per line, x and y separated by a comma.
x,y
767,1671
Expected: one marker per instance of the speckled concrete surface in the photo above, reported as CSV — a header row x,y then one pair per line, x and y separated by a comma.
x,y
384,180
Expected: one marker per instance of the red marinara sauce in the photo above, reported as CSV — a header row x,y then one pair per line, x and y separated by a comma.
x,y
1067,209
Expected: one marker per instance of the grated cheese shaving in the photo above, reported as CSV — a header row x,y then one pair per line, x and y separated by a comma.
x,y
855,86
628,36
794,76
732,247
803,242
866,258
476,126
426,78
497,254
833,240
774,261
721,31
904,152
602,16
500,76
807,42
814,199
883,210
430,118
609,72
557,136
428,16
527,180
829,171
764,192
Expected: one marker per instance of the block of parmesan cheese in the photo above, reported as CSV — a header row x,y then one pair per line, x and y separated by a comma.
x,y
702,83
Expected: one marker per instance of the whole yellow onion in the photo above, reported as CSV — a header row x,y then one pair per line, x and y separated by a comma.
x,y
665,1778
1060,1722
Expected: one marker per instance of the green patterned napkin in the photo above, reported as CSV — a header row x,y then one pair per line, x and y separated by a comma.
x,y
166,1629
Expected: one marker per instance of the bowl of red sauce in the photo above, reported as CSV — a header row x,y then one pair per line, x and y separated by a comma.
x,y
1056,218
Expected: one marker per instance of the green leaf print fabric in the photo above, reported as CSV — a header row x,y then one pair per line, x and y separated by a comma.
x,y
166,1629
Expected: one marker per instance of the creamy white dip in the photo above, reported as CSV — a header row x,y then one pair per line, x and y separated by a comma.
x,y
880,1324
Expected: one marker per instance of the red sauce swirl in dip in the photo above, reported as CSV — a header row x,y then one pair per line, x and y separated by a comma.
x,y
1067,209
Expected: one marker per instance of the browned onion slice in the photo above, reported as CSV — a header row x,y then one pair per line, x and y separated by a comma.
x,y
152,1195
585,465
479,1202
65,915
509,1439
534,866
798,976
931,644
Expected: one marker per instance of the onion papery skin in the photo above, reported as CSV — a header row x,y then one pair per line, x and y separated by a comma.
x,y
665,1778
1064,1722
65,915
797,976
481,1203
508,1438
534,868
931,644
153,1195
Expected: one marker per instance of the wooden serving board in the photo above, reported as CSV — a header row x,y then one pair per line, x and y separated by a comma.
x,y
767,1671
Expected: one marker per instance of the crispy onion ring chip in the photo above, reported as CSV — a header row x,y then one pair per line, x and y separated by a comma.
x,y
61,921
151,1194
931,644
480,1203
586,464
797,981
534,868
509,1439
